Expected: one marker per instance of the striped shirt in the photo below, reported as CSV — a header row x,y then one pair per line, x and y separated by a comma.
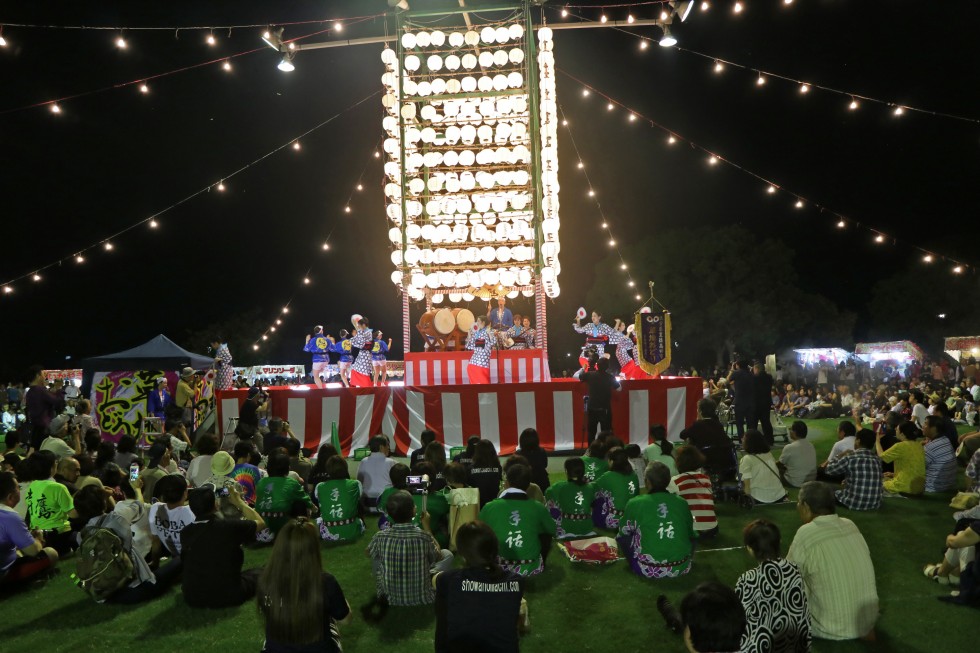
x,y
941,465
403,555
695,488
839,577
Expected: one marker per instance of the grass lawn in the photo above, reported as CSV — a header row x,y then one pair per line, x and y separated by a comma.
x,y
572,607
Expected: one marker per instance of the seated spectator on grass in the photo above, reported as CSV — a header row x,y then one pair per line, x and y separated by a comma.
x,y
107,456
439,502
656,532
973,473
661,451
168,517
180,442
278,494
860,469
534,493
199,469
426,438
69,469
435,455
91,439
708,435
570,502
941,468
947,427
776,612
22,552
404,556
845,443
86,472
319,472
909,459
245,472
760,480
49,505
524,527
211,551
530,448
134,510
89,502
836,566
301,608
637,461
278,436
481,606
399,481
692,484
339,498
798,460
159,461
126,452
373,472
486,472
711,618
298,463
64,437
613,490
595,460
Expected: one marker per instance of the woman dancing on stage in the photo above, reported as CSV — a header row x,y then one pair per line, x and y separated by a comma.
x,y
626,353
379,358
342,347
362,342
597,335
479,342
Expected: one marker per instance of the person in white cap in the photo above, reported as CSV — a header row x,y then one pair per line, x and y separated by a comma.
x,y
362,342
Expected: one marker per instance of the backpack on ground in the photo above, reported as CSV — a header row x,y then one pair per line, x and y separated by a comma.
x,y
102,564
464,507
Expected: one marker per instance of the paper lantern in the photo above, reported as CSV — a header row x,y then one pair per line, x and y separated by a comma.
x,y
408,111
437,298
469,61
472,38
423,39
545,34
455,297
424,89
452,62
438,88
408,41
437,38
454,86
434,62
389,57
467,297
488,35
456,39
501,57
486,59
412,63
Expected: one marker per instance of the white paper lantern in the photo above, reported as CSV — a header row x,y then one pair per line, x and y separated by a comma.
x,y
395,235
410,87
507,278
447,279
456,39
500,58
488,35
467,158
408,111
516,32
452,62
412,63
412,255
545,34
437,38
467,297
451,157
428,230
432,280
427,257
396,277
423,39
528,292
453,86
524,277
408,41
452,180
416,294
485,134
437,298
484,84
472,38
469,61
486,59
388,57
455,297
515,80
504,254
490,277
468,84
424,88
434,62
438,88
428,112
394,212
500,82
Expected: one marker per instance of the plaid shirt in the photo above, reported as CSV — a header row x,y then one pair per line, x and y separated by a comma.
x,y
863,486
403,555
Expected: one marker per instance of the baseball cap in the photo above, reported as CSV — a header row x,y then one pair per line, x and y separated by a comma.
x,y
156,453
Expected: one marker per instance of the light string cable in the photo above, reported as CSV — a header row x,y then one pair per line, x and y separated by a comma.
x,y
107,242
771,187
307,279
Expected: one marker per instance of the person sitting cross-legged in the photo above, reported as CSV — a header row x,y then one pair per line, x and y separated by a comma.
x,y
339,499
798,460
277,494
711,618
614,489
656,532
941,467
570,501
861,469
22,552
524,527
404,556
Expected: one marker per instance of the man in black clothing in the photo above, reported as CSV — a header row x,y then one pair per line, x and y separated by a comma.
x,y
708,435
763,400
211,549
426,437
743,388
601,384
248,419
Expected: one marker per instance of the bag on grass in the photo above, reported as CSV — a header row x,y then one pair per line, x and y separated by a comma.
x,y
102,563
464,507
594,550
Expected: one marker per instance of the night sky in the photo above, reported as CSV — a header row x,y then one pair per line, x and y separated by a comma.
x,y
113,158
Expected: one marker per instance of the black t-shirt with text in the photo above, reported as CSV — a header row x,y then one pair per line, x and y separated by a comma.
x,y
477,612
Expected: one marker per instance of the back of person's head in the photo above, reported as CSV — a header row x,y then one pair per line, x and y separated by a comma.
x,y
207,445
40,465
941,409
755,442
707,408
8,483
243,449
658,433
377,442
337,468
425,468
597,449
713,618
105,454
485,455
12,460
275,425
519,477
688,459
90,502
634,451
278,464
657,477
575,470
427,436
126,444
290,589
819,497
174,489
92,439
112,475
603,365
398,473
11,439
529,440
799,429
292,448
455,474
401,507
866,438
478,545
86,466
31,374
435,455
934,422
516,459
762,536
172,425
847,428
202,501
612,441
619,461
909,430
471,445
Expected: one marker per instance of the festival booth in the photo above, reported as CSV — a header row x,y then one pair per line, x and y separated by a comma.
x,y
119,384
265,373
497,412
893,357
68,376
962,347
817,355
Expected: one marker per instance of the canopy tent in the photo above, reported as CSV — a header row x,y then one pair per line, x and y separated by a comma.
x,y
816,355
158,353
899,353
959,347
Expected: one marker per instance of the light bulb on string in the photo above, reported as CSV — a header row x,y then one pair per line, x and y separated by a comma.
x,y
210,39
603,19
285,309
55,108
610,106
958,269
346,209
761,81
840,224
879,238
622,267
644,44
612,243
853,105
737,8
631,284
605,225
564,123
591,193
360,187
144,89
377,155
339,27
79,258
898,111
226,65
927,258
771,189
154,224
121,43
787,2
306,280
804,88
671,140
632,117
278,322
265,337
3,41
109,246
255,347
36,277
221,186
7,290
564,13
296,145
629,19
580,165
799,204
272,329
326,246
719,66
713,160
638,298
705,6
585,92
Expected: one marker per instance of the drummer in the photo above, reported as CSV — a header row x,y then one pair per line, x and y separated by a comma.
x,y
501,318
479,342
597,335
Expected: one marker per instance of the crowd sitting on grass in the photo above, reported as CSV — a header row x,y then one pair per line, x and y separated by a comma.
x,y
448,531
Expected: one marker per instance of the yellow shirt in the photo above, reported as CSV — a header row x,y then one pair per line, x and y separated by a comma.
x,y
910,467
185,394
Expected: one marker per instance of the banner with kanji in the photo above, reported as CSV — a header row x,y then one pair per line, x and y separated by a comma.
x,y
653,341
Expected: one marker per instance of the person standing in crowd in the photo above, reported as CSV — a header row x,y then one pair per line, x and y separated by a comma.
x,y
798,460
777,615
836,566
763,400
374,472
743,388
708,435
41,406
379,359
524,527
319,345
601,385
570,502
860,469
481,606
480,342
158,400
362,342
185,396
223,364
500,318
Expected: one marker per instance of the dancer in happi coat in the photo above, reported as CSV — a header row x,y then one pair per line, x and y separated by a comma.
x,y
626,352
342,347
597,334
379,358
362,342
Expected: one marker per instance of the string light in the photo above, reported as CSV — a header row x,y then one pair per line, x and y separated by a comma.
x,y
7,290
771,190
377,155
610,107
144,89
585,92
121,43
603,19
591,193
221,186
879,238
296,145
719,67
622,267
36,277
581,165
265,337
737,8
853,105
612,243
285,309
154,224
605,225
898,111
760,81
958,269
713,160
210,39
255,347
79,258
632,117
671,140
338,27
108,246
705,6
306,280
346,209
804,88
638,298
564,13
360,187
326,246
799,204
226,65
927,258
3,41
631,284
840,224
644,44
564,123
55,108
629,19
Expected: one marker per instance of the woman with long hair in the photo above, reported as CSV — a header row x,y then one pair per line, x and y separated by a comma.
x,y
570,502
319,472
614,489
469,615
435,455
530,448
486,472
661,451
301,610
